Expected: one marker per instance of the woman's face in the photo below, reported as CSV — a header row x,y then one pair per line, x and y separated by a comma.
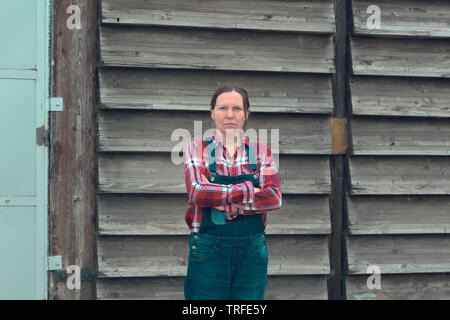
x,y
228,112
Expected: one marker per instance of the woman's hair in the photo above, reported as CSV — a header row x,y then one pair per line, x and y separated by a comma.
x,y
229,87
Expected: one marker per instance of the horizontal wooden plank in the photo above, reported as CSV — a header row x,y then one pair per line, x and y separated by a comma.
x,y
412,97
309,287
155,288
400,136
162,131
399,175
160,214
399,253
157,173
400,287
398,214
401,57
157,47
304,16
153,256
403,18
171,89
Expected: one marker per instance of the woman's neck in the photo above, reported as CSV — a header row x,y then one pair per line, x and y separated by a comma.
x,y
233,139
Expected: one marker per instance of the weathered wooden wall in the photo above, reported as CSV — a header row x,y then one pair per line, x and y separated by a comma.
x,y
72,147
399,185
160,63
162,60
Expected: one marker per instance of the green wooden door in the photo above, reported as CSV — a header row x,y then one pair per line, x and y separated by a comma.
x,y
23,162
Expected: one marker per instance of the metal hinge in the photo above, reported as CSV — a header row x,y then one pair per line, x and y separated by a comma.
x,y
42,136
56,104
85,273
54,263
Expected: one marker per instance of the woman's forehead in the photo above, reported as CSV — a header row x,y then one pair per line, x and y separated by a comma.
x,y
232,98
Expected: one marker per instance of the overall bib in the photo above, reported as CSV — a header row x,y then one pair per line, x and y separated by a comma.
x,y
228,258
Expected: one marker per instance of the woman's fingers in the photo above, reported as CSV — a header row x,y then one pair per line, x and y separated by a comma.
x,y
220,208
256,189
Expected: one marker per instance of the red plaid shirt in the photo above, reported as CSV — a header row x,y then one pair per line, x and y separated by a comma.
x,y
235,198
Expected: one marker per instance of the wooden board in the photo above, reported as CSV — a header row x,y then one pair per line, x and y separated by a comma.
x,y
130,215
156,173
72,139
404,18
399,175
400,287
398,214
296,288
411,97
162,131
157,47
399,253
153,256
401,57
400,136
155,288
341,142
167,288
171,89
305,16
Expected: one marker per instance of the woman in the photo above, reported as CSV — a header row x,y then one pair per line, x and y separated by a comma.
x,y
231,183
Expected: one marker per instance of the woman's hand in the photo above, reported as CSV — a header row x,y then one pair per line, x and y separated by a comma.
x,y
205,180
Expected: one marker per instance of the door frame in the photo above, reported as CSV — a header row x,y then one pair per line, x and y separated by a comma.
x,y
43,27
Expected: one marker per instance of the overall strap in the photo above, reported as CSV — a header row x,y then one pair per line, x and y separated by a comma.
x,y
212,154
251,156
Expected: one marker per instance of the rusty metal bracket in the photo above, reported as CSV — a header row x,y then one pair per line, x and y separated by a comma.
x,y
339,135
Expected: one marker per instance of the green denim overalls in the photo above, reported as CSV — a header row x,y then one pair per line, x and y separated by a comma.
x,y
228,258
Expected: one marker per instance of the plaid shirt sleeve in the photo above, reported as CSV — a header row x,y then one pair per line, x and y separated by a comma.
x,y
210,194
269,198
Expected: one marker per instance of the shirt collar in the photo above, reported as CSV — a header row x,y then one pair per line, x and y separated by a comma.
x,y
242,139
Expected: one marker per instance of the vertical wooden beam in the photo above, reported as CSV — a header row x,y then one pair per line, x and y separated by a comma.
x,y
337,163
72,145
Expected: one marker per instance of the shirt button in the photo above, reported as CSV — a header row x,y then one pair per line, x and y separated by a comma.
x,y
194,247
